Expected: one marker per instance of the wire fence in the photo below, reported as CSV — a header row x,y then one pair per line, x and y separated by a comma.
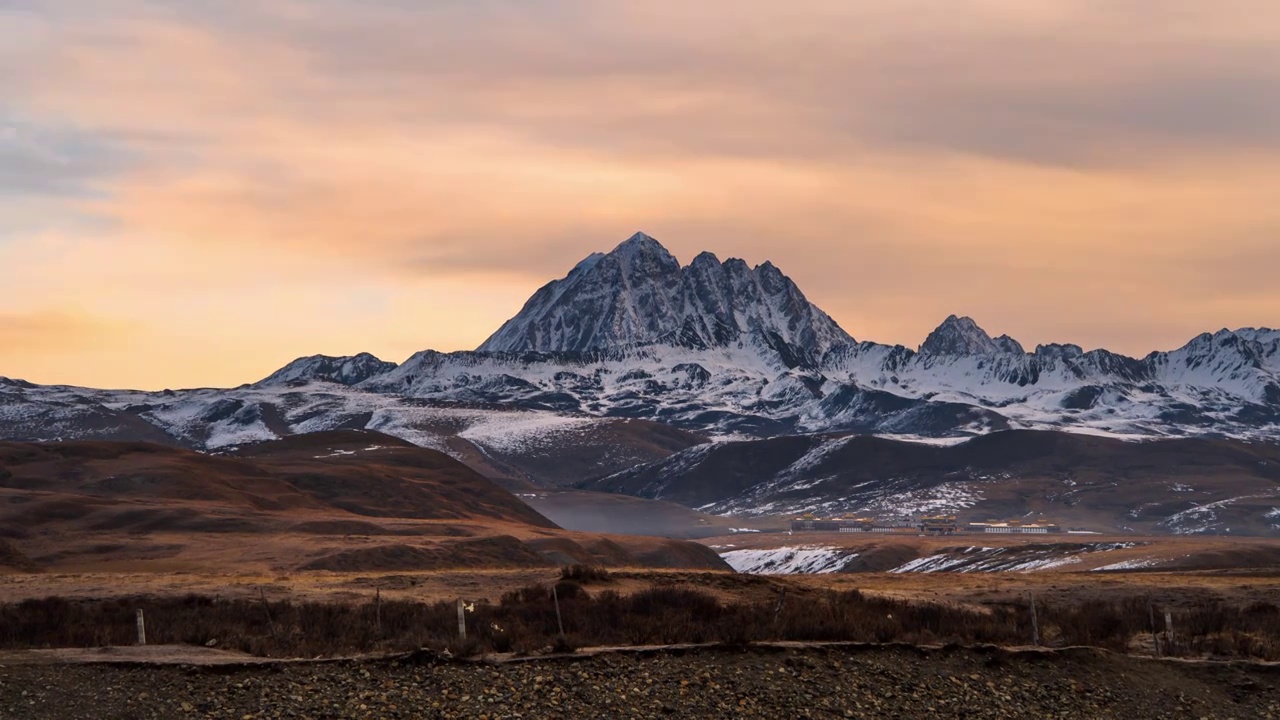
x,y
589,612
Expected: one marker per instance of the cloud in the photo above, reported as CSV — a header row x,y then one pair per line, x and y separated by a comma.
x,y
55,331
42,160
1097,172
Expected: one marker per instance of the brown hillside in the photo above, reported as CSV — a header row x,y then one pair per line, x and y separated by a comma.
x,y
339,501
11,559
361,473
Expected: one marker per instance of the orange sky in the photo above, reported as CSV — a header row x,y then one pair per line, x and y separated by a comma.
x,y
197,194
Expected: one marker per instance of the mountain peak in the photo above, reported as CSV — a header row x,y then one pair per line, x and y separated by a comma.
x,y
1009,345
639,243
959,335
347,370
639,295
641,255
707,258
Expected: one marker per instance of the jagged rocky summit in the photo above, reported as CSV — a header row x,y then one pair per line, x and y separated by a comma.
x,y
639,295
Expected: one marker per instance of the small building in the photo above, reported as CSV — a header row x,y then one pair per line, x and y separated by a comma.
x,y
809,523
939,525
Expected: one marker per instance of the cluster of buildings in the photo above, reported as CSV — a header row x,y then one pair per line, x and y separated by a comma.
x,y
924,524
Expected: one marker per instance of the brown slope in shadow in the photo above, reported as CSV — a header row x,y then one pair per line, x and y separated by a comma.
x,y
342,500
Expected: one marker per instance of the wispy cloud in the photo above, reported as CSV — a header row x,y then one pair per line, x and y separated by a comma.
x,y
1098,172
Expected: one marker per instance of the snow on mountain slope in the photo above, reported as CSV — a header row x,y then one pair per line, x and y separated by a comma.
x,y
344,370
739,387
1184,485
529,445
640,295
713,347
1222,384
1242,364
1025,559
800,560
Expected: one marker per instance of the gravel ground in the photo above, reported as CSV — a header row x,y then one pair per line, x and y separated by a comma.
x,y
775,683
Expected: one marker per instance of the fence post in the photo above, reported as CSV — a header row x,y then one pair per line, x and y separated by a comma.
x,y
1035,623
1168,629
556,598
142,629
271,624
377,610
1155,638
462,620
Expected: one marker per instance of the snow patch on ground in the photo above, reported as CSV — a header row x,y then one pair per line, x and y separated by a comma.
x,y
521,431
1138,564
799,560
943,498
1202,518
925,440
886,498
1006,559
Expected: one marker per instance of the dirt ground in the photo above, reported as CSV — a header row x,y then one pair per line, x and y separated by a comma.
x,y
866,682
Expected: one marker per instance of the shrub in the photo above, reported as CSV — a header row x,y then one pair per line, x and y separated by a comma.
x,y
525,621
585,574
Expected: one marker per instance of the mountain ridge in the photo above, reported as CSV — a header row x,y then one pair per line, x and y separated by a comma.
x,y
716,348
1177,485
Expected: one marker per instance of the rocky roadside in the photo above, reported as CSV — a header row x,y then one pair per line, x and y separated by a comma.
x,y
792,683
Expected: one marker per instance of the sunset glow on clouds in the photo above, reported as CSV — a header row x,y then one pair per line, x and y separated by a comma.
x,y
195,193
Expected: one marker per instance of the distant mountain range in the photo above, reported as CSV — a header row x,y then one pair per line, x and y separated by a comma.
x,y
631,338
1180,485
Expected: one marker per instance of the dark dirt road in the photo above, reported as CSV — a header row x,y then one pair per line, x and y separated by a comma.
x,y
884,682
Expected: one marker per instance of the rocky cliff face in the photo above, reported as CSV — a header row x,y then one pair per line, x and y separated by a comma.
x,y
639,295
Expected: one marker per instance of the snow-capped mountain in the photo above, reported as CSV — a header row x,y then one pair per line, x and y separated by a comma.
x,y
639,295
344,370
713,347
962,336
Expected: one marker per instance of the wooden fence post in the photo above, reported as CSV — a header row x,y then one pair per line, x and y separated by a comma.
x,y
1155,638
142,629
1168,629
556,598
377,610
271,624
1035,623
462,620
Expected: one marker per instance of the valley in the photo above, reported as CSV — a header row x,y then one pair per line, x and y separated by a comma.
x,y
611,359
620,465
